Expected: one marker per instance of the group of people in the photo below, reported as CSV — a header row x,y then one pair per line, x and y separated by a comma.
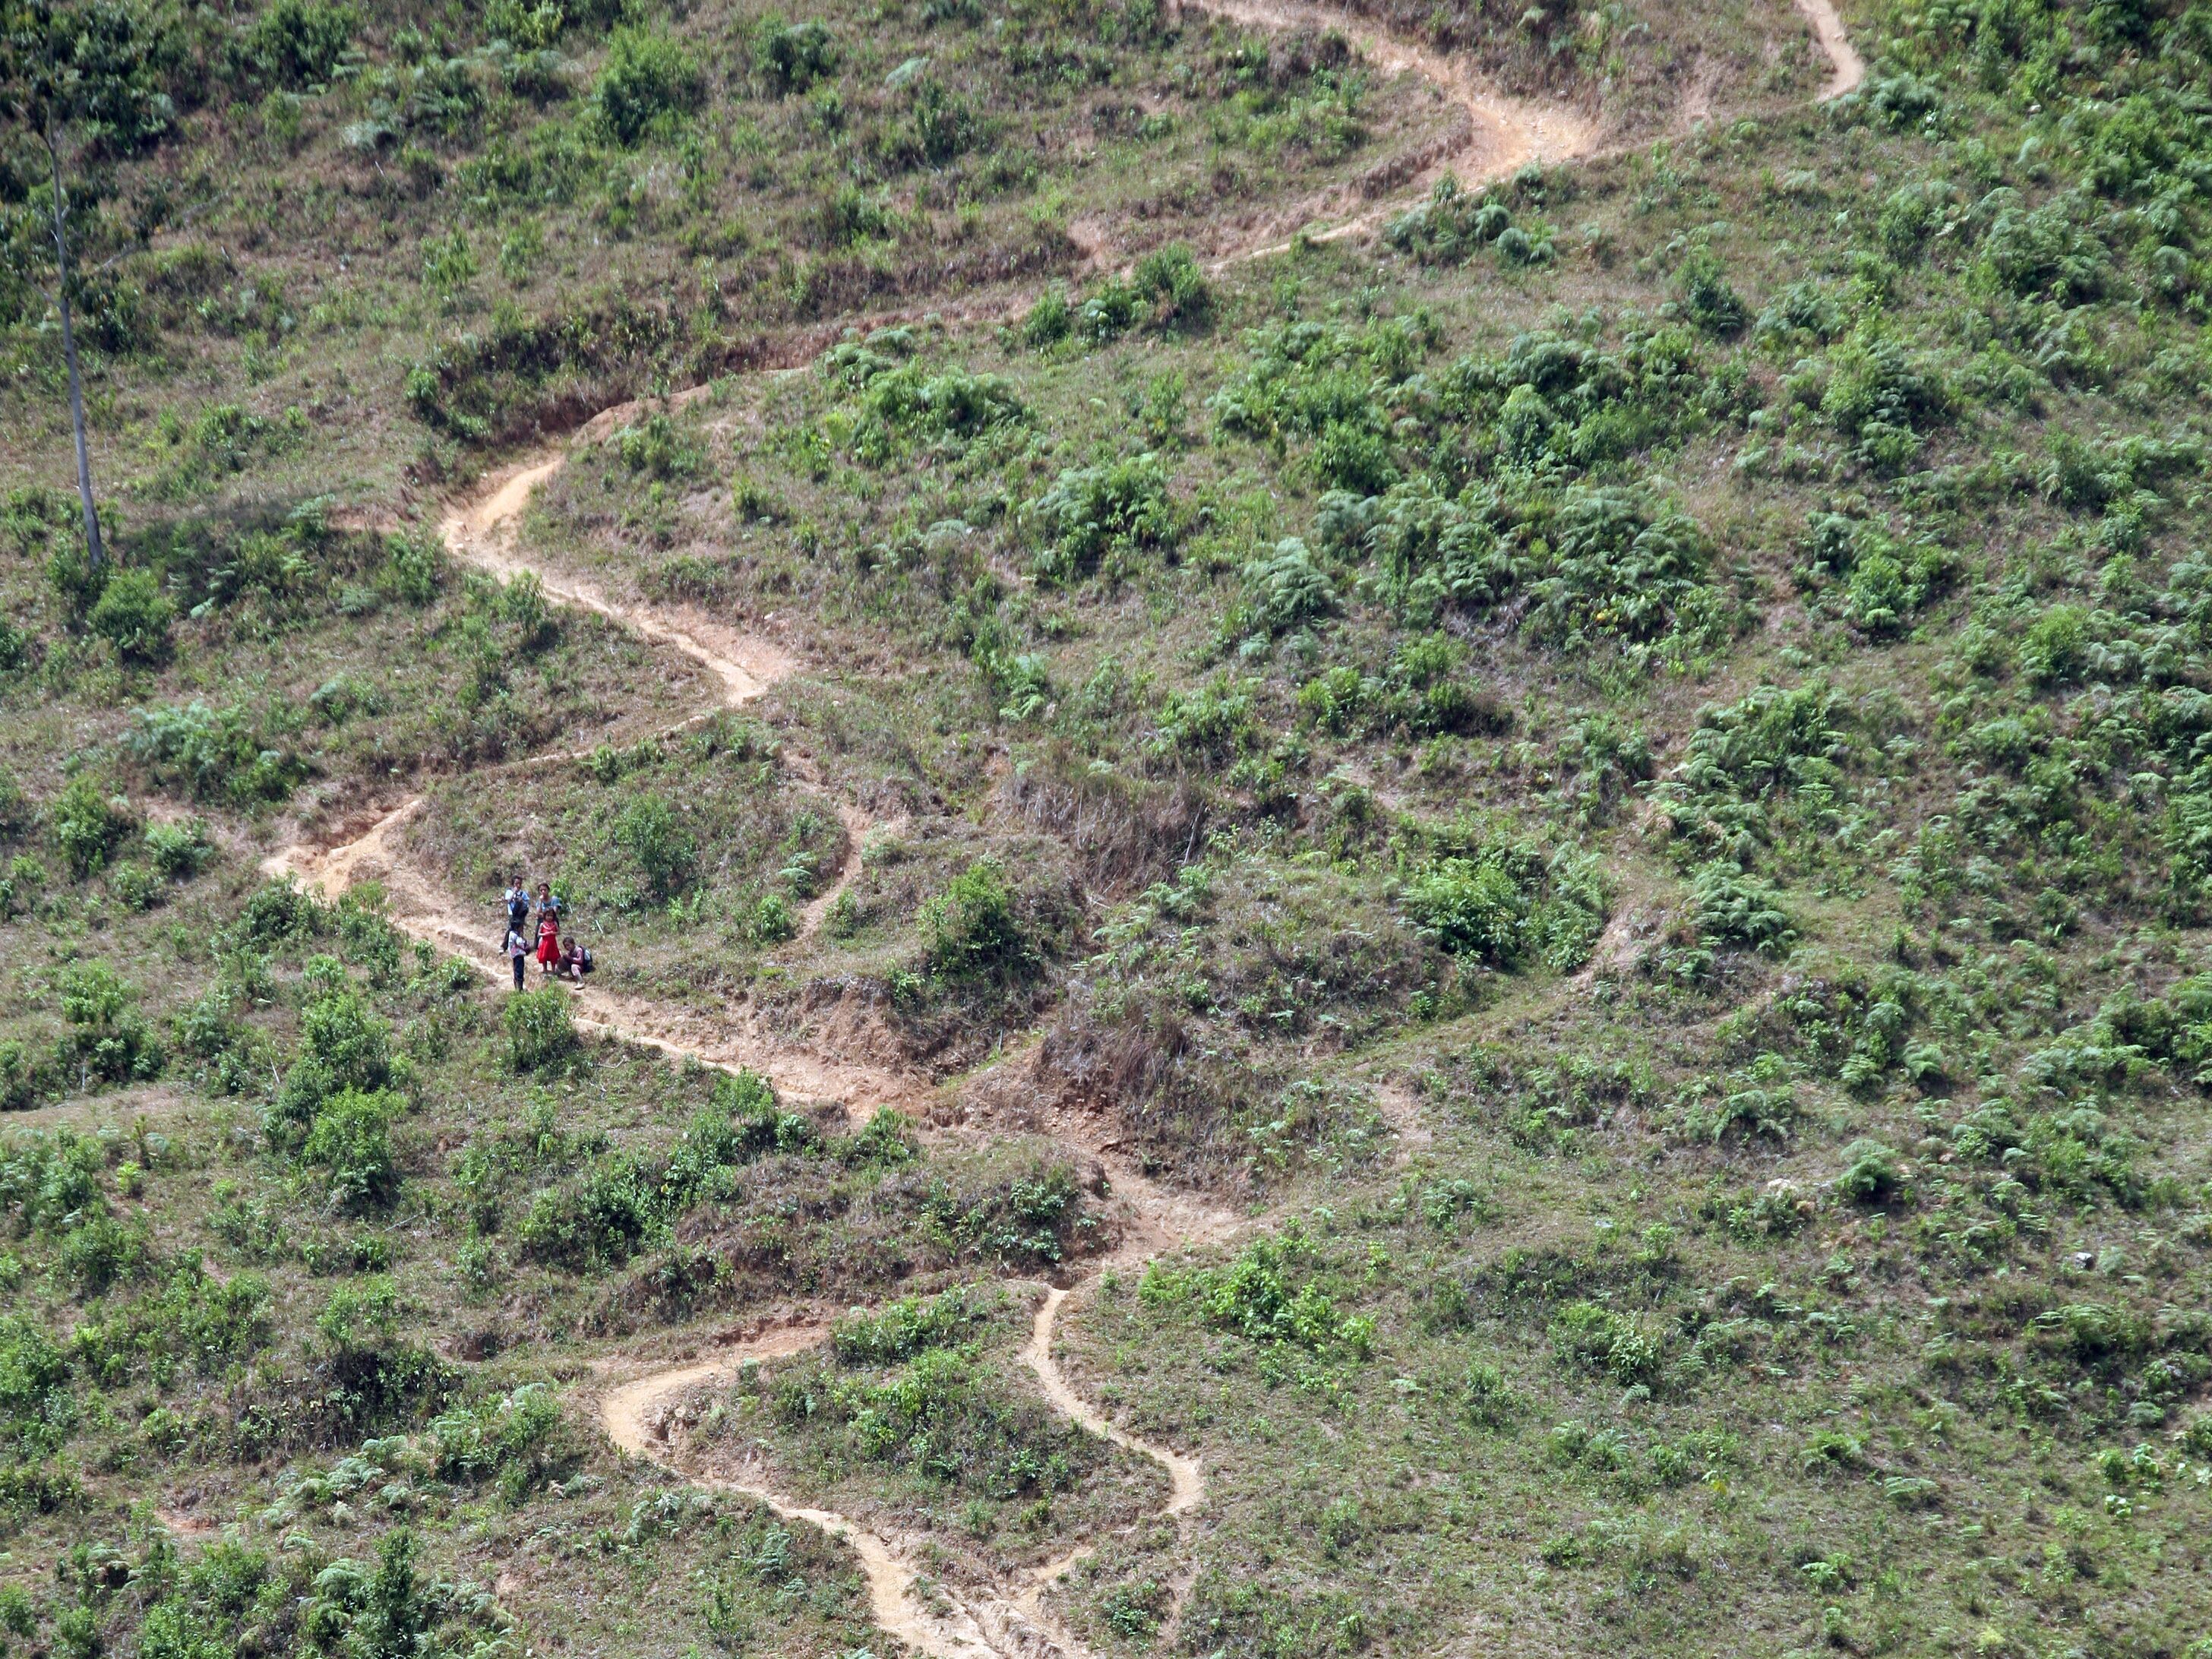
x,y
533,928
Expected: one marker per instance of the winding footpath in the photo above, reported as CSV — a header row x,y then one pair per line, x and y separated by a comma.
x,y
1497,135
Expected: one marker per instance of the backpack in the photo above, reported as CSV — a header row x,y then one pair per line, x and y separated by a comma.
x,y
585,963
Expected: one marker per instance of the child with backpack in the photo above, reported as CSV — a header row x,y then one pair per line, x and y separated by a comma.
x,y
517,951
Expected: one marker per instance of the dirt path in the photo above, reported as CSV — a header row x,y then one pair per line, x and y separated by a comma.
x,y
1845,67
1497,135
1011,1622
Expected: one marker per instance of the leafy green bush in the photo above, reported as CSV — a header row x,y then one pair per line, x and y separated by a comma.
x,y
278,912
88,824
1092,512
1254,1296
36,1410
180,850
293,44
1731,907
1870,1173
792,57
627,1199
520,1440
1708,299
656,447
24,1075
1451,226
1477,909
134,616
135,887
1504,903
217,754
540,1033
649,84
414,567
107,1035
1591,1337
771,921
1288,588
656,840
906,1328
352,1138
970,930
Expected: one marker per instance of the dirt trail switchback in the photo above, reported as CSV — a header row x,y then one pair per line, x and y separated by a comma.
x,y
1011,1620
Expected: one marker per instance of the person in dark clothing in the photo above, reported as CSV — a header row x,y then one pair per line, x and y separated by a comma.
x,y
518,950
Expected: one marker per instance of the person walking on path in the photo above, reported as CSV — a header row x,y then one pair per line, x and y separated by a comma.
x,y
549,930
518,950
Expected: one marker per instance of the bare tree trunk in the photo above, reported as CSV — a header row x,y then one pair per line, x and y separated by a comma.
x,y
93,548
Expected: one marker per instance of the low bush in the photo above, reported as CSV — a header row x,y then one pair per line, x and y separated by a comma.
x,y
540,1033
217,754
649,84
969,931
134,616
88,824
792,57
351,1137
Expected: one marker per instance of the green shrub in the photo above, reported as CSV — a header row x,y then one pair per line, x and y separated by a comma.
x,y
106,1035
1171,278
1092,512
1470,908
1255,1296
1870,1173
649,83
884,1142
1707,298
971,931
663,851
771,921
363,1314
24,1075
352,1138
88,824
414,567
1049,321
1591,1337
908,1327
216,753
520,1441
134,616
17,648
656,447
792,57
1288,588
135,887
2055,648
295,44
853,215
540,1033
37,1411
180,850
1451,227
278,913
1732,908
17,814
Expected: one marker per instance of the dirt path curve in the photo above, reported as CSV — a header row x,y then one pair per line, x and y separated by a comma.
x,y
1497,135
1502,135
1846,69
635,1418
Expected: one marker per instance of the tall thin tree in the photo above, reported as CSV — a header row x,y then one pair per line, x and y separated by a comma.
x,y
75,77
